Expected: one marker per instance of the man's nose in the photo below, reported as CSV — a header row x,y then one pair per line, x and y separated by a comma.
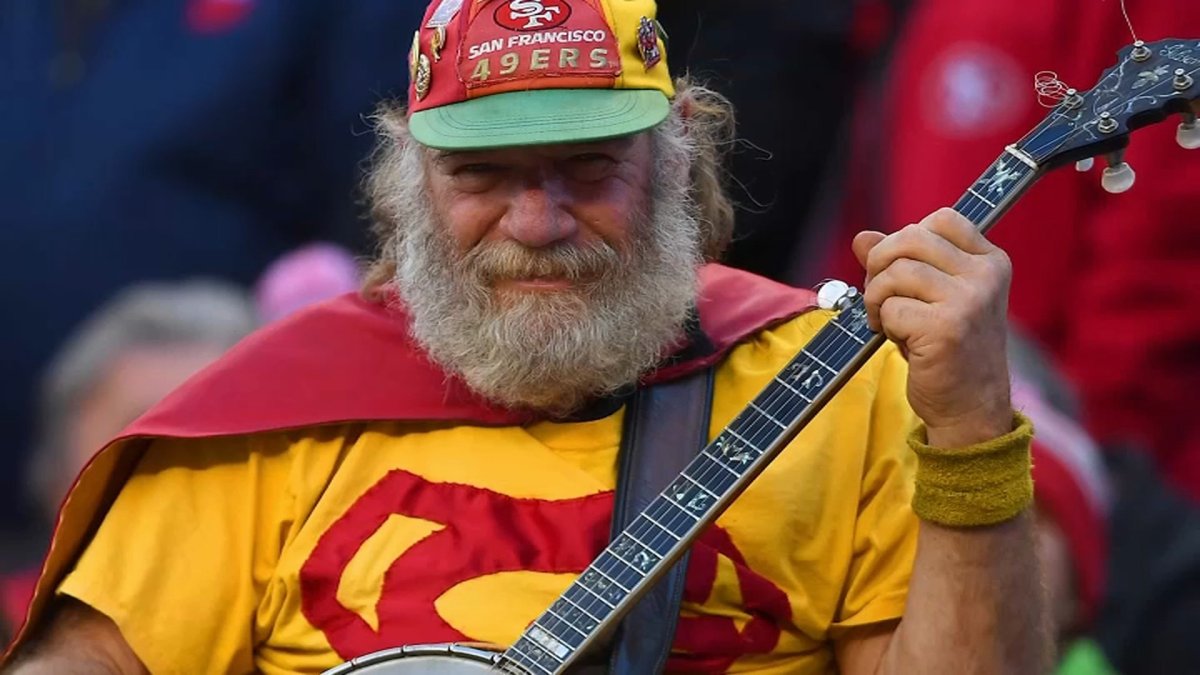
x,y
536,218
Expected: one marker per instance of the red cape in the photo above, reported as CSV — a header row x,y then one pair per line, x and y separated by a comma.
x,y
350,360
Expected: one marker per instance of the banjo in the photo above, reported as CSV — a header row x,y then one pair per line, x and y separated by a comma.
x,y
1149,82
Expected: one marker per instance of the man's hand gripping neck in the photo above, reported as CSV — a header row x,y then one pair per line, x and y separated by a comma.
x,y
975,603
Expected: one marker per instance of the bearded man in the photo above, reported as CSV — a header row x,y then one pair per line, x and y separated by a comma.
x,y
435,460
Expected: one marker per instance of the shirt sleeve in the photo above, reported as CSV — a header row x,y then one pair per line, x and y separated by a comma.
x,y
183,555
885,530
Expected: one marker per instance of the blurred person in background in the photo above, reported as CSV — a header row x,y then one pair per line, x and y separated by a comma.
x,y
169,140
1147,624
1106,283
122,360
1073,500
303,277
1120,549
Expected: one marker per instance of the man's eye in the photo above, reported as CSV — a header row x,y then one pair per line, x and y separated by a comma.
x,y
477,169
592,158
590,167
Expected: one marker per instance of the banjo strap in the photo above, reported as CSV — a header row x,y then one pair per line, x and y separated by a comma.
x,y
666,425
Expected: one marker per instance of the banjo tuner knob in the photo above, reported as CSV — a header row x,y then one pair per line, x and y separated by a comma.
x,y
834,294
1118,178
1188,135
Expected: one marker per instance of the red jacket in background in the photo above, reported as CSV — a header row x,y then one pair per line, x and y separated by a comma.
x,y
1109,284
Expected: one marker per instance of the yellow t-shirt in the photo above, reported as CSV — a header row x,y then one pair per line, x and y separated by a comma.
x,y
293,551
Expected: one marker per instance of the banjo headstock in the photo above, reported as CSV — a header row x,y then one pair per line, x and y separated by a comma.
x,y
1149,83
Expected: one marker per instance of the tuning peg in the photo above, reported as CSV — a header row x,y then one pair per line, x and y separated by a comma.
x,y
1140,51
833,294
1085,165
1182,81
1118,178
1188,135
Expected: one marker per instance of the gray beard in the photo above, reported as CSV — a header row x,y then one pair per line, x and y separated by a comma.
x,y
553,351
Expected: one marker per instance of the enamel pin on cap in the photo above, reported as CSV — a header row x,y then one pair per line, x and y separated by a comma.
x,y
647,43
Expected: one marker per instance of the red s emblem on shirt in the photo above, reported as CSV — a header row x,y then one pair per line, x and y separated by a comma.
x,y
487,532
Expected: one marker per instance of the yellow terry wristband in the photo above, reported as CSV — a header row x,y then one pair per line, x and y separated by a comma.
x,y
982,484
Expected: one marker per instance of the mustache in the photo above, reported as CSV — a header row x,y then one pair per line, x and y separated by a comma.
x,y
504,260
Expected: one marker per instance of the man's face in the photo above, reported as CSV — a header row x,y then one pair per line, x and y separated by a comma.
x,y
547,275
543,198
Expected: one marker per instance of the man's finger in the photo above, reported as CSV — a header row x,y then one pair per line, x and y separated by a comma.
x,y
956,229
917,243
902,318
904,278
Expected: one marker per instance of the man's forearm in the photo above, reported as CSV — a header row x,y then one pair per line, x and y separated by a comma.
x,y
77,640
975,604
62,664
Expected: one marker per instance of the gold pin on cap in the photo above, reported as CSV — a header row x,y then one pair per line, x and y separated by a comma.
x,y
423,78
437,42
412,56
420,70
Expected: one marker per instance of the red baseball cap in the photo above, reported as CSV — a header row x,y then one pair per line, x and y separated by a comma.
x,y
496,73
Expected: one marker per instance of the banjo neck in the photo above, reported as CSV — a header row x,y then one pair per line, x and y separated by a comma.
x,y
641,553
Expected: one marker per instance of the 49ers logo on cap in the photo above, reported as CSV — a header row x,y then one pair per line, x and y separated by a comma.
x,y
523,15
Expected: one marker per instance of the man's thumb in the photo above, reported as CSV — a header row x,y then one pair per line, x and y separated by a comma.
x,y
863,243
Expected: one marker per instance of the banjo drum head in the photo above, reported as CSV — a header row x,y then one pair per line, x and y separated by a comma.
x,y
422,660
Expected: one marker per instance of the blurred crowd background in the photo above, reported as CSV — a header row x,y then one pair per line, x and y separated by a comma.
x,y
175,173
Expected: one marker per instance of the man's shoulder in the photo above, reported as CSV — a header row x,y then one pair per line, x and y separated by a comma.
x,y
779,342
764,354
786,338
735,304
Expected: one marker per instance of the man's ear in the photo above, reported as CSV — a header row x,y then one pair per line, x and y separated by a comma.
x,y
687,109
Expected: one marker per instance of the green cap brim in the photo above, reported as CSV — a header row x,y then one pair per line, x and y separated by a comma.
x,y
539,117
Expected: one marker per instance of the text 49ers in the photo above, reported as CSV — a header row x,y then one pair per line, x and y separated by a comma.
x,y
558,58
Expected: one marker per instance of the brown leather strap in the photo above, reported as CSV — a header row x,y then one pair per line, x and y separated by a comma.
x,y
666,425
